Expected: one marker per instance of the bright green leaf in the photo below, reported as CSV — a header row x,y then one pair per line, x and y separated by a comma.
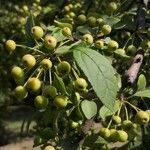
x,y
141,82
89,108
144,93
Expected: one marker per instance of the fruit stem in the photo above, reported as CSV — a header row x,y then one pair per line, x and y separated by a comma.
x,y
128,40
136,108
50,77
75,74
119,110
126,111
39,73
31,48
109,123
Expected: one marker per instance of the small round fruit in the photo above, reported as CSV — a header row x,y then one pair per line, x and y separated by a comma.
x,y
63,68
122,136
88,38
49,148
91,21
142,117
17,72
50,42
100,21
33,84
112,45
104,132
21,92
127,125
113,135
131,50
10,45
81,19
28,60
72,14
66,9
46,64
116,120
99,44
112,6
66,32
73,124
119,52
80,84
106,29
50,90
37,32
61,101
145,44
40,102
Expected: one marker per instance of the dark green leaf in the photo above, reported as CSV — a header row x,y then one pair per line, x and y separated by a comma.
x,y
99,72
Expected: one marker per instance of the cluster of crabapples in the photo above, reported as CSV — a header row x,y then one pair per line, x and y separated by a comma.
x,y
33,84
124,130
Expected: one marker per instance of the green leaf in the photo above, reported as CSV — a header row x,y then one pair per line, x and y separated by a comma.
x,y
89,108
105,112
144,93
99,72
29,24
62,50
84,29
141,82
59,84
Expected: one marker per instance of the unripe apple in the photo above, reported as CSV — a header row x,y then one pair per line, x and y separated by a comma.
x,y
112,45
61,101
91,21
66,32
21,92
46,64
63,68
99,44
17,72
106,29
104,132
113,135
116,120
73,124
100,21
142,117
88,38
28,60
40,102
112,6
66,9
49,148
122,136
131,50
50,42
145,44
72,14
81,19
33,84
37,32
127,125
50,90
80,84
10,45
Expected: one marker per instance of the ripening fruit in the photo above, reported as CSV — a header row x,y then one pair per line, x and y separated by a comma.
x,y
112,6
127,125
28,60
122,136
50,90
40,102
17,72
99,44
33,84
120,52
63,68
112,45
70,6
73,124
66,32
80,84
46,64
61,101
21,92
87,38
100,21
49,148
37,32
142,117
10,45
131,50
91,21
72,14
113,135
145,44
106,29
66,8
105,133
116,120
81,19
50,42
